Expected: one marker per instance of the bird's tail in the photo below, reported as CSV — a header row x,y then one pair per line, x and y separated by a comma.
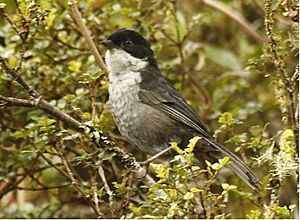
x,y
217,151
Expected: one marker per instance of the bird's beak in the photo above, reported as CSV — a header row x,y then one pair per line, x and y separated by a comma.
x,y
108,43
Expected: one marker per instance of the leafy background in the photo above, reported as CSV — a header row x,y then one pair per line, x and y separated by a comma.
x,y
244,84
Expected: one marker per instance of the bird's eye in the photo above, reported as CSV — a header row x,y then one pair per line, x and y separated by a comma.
x,y
128,42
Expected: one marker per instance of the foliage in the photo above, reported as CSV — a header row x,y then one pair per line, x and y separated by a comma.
x,y
243,81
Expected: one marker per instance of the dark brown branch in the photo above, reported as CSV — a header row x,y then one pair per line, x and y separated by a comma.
x,y
11,101
44,106
42,188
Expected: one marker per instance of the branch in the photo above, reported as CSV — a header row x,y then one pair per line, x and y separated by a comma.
x,y
11,101
96,137
106,186
236,17
289,84
39,102
16,74
85,32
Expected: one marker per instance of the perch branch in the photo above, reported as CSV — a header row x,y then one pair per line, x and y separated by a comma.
x,y
40,103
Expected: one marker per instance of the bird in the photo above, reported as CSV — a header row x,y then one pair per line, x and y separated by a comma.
x,y
149,112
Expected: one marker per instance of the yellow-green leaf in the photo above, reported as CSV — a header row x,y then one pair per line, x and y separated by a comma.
x,y
74,65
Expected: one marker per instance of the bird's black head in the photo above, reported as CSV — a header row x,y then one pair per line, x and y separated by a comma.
x,y
130,41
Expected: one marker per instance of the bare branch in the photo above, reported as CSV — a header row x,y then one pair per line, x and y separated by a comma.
x,y
95,195
106,186
236,17
11,101
86,34
17,76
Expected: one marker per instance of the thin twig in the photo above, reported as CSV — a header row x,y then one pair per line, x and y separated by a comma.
x,y
86,34
17,76
106,186
236,17
95,195
76,183
43,188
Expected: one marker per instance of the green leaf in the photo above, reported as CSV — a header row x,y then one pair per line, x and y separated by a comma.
x,y
254,214
74,65
281,211
121,187
226,118
188,196
216,166
222,57
195,190
224,161
192,144
106,155
208,163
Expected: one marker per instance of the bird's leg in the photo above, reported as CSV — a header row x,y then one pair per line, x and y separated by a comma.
x,y
141,171
149,160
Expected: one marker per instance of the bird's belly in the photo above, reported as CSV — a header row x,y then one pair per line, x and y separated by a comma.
x,y
143,125
124,104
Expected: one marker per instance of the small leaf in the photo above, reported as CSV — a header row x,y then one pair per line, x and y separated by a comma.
x,y
292,207
2,5
74,65
224,161
225,186
176,148
281,211
196,190
225,58
226,118
254,214
188,196
208,163
192,144
106,155
216,166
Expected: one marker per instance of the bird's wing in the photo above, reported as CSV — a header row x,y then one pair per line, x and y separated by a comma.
x,y
161,94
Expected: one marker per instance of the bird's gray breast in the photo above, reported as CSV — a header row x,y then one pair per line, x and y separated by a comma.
x,y
123,97
142,124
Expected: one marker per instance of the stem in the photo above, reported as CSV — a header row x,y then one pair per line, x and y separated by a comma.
x,y
86,34
279,64
236,17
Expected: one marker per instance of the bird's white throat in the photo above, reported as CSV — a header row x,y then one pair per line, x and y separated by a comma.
x,y
119,62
